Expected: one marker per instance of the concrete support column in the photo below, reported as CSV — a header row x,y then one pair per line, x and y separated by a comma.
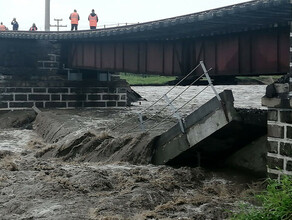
x,y
279,156
279,104
47,15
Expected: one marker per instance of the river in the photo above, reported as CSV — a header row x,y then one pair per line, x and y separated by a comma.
x,y
245,96
34,187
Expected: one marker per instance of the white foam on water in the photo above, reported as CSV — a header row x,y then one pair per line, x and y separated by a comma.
x,y
46,209
15,140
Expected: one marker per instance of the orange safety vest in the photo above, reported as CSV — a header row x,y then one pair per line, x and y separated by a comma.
x,y
33,29
74,18
92,20
2,27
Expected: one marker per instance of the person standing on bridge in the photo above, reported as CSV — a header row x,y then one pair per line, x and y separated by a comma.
x,y
74,17
33,27
14,24
93,19
3,27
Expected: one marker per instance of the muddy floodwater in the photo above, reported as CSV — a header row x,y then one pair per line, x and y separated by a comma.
x,y
95,163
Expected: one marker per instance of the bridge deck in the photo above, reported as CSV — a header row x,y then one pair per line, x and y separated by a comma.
x,y
253,15
247,39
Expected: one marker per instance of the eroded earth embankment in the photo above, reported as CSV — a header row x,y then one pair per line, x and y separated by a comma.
x,y
73,168
70,140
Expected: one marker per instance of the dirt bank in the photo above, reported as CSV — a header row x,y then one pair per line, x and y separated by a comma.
x,y
69,138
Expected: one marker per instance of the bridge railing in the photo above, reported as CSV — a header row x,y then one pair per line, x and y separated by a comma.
x,y
104,26
169,104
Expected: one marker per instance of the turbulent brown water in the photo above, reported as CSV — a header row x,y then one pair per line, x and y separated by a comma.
x,y
94,164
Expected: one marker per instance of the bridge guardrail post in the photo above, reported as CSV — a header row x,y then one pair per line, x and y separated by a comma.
x,y
180,121
209,80
142,126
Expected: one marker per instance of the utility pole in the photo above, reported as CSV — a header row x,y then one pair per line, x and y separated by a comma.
x,y
47,15
58,24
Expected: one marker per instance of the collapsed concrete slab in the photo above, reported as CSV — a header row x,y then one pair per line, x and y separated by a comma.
x,y
212,133
203,122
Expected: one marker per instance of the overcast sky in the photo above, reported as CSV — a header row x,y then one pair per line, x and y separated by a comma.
x,y
109,12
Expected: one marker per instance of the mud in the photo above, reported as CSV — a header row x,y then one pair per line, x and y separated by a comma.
x,y
69,137
34,188
18,119
95,164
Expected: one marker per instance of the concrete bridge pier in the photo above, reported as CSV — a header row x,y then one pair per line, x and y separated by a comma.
x,y
279,104
61,94
37,78
278,100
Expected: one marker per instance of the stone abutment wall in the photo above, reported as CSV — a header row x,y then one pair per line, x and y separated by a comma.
x,y
278,100
279,156
62,95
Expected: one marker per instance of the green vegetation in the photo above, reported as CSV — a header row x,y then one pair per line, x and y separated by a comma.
x,y
276,202
135,79
139,79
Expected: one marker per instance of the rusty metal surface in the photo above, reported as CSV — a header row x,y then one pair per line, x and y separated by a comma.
x,y
248,53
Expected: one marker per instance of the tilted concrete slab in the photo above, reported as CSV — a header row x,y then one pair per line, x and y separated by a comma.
x,y
199,125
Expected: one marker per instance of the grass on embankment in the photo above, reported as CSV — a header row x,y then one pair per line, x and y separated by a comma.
x,y
135,79
144,80
276,202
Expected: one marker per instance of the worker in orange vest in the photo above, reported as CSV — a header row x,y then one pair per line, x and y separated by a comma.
x,y
3,27
93,19
74,17
33,27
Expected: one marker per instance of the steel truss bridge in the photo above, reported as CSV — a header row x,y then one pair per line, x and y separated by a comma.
x,y
246,39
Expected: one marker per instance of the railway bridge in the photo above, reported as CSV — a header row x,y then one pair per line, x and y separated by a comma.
x,y
247,39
